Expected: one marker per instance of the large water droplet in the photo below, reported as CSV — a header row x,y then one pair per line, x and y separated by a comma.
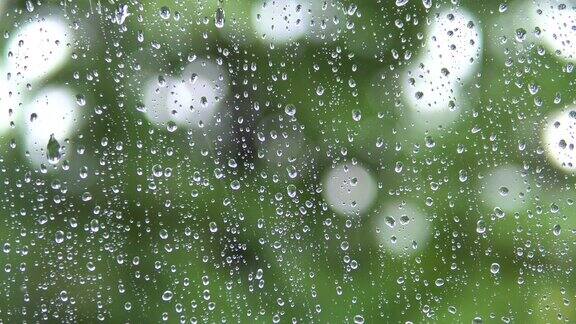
x,y
219,19
53,150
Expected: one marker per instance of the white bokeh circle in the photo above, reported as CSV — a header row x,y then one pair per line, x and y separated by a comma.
x,y
349,189
559,139
190,99
324,20
557,25
38,48
454,42
280,21
451,54
53,111
505,187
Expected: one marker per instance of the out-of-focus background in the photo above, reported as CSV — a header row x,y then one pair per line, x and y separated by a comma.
x,y
287,161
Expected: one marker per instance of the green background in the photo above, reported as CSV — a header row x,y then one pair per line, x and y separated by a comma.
x,y
269,261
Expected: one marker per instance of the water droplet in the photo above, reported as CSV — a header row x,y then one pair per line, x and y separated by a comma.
x,y
53,150
64,295
167,295
80,100
163,234
291,190
398,167
430,142
29,6
94,225
59,237
121,14
390,221
495,268
219,18
520,34
235,185
462,175
193,78
290,110
165,12
171,126
480,227
157,170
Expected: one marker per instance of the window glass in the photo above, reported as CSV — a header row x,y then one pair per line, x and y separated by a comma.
x,y
287,161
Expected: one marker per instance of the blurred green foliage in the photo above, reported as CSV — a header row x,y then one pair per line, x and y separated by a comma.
x,y
256,254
